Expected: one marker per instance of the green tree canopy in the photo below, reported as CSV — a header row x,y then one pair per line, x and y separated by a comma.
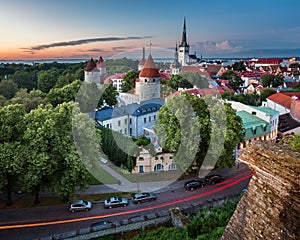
x,y
209,124
128,82
24,79
194,79
47,79
234,80
238,66
267,80
177,81
8,88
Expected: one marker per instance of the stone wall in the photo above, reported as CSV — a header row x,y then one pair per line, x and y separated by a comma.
x,y
270,208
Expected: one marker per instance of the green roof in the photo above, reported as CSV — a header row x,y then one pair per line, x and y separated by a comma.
x,y
268,111
253,125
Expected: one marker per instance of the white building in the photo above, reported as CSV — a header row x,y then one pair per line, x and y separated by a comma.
x,y
130,119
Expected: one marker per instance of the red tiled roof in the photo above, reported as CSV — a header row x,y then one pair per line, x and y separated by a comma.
x,y
149,70
273,61
118,76
213,68
281,99
290,94
90,65
196,69
164,76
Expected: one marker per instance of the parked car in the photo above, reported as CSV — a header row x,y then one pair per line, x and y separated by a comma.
x,y
214,178
115,202
193,184
80,205
102,223
143,197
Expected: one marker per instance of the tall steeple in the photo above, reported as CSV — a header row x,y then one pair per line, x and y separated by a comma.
x,y
184,42
184,48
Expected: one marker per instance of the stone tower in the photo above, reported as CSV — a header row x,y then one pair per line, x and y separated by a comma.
x,y
102,68
148,83
270,208
92,73
184,48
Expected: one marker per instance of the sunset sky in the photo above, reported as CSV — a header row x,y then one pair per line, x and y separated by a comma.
x,y
39,29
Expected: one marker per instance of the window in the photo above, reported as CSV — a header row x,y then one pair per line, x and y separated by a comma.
x,y
172,166
141,169
161,158
156,158
125,121
254,131
130,121
149,118
171,157
145,80
119,123
153,79
265,128
141,159
107,125
145,120
158,167
110,125
154,117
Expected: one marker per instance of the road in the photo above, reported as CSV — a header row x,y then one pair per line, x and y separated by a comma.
x,y
40,222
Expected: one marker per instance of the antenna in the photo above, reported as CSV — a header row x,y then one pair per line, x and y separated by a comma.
x,y
150,46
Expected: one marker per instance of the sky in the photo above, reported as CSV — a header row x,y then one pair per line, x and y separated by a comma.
x,y
40,29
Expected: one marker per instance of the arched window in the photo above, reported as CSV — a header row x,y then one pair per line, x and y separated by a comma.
x,y
158,167
172,166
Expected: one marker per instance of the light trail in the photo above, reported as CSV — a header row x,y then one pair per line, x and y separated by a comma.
x,y
222,186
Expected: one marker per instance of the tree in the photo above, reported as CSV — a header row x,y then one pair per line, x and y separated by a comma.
x,y
177,81
278,80
109,96
8,88
199,131
234,80
11,148
238,66
24,79
295,143
47,79
267,80
54,161
30,100
66,93
195,79
128,82
266,93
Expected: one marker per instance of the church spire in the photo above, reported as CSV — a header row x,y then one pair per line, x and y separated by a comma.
x,y
183,39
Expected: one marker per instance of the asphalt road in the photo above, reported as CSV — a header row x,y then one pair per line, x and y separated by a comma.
x,y
40,222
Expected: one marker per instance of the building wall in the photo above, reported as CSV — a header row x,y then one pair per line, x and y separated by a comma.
x,y
150,163
93,76
129,98
138,123
295,109
148,88
118,124
281,109
183,55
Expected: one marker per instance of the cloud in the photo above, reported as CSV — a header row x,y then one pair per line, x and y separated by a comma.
x,y
82,41
218,47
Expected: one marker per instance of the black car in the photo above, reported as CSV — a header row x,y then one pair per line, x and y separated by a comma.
x,y
215,178
143,197
193,184
102,223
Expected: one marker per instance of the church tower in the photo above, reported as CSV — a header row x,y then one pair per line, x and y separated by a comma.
x,y
184,48
175,66
147,86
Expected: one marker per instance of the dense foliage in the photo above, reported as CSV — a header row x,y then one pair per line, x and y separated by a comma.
x,y
120,65
206,224
128,82
37,150
234,80
195,128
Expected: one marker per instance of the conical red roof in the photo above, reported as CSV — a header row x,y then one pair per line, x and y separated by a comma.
x,y
90,65
149,70
101,63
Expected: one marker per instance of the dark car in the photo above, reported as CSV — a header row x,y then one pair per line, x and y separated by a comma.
x,y
102,223
143,197
215,178
115,202
80,205
193,184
